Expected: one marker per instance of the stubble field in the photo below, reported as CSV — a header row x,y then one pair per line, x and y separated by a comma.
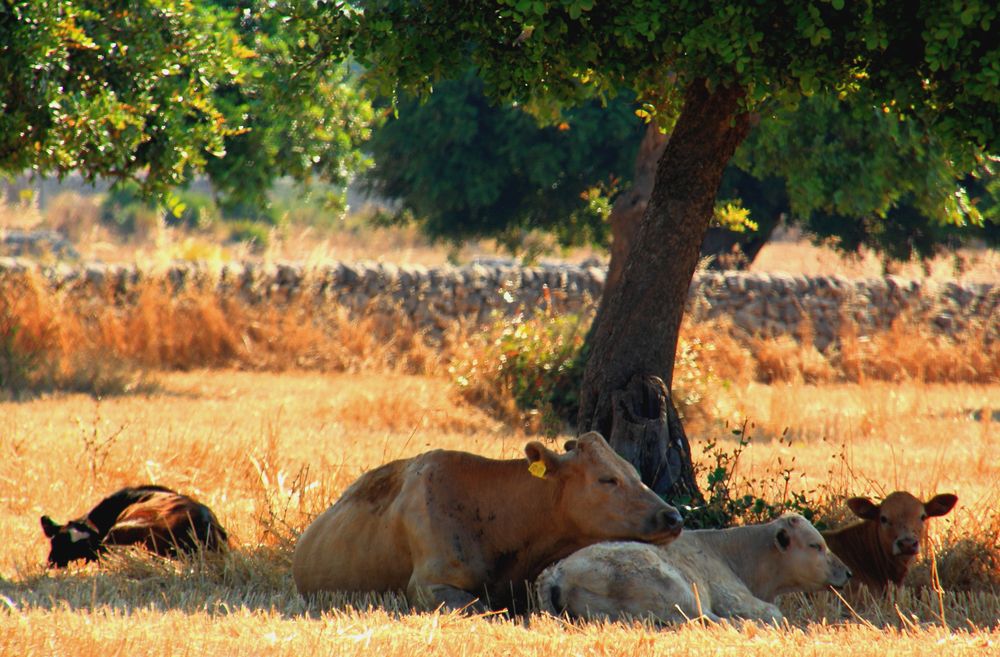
x,y
269,450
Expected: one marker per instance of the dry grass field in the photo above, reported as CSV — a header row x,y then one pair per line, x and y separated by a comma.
x,y
268,451
272,433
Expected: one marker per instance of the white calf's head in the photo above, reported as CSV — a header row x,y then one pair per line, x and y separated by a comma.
x,y
806,563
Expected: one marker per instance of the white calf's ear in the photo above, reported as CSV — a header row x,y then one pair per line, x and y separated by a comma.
x,y
782,539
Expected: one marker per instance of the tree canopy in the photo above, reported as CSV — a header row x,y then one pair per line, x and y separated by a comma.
x,y
160,90
464,166
931,61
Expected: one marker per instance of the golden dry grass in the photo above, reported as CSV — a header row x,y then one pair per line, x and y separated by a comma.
x,y
269,450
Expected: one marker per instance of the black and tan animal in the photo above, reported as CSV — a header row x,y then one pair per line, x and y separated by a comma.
x,y
157,518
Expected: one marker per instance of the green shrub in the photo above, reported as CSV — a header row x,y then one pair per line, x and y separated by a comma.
x,y
246,230
527,365
531,365
732,499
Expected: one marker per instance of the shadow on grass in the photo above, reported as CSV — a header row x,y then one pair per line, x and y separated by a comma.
x,y
258,579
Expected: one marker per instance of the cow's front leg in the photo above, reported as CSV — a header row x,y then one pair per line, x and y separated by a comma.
x,y
749,607
431,587
449,598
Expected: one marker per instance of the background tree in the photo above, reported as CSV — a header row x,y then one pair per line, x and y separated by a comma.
x,y
851,176
158,92
464,166
705,65
118,93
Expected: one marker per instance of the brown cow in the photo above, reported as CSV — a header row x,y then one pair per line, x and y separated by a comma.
x,y
717,573
880,548
157,518
448,527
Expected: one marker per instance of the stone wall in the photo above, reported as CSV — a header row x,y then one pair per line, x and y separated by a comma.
x,y
768,304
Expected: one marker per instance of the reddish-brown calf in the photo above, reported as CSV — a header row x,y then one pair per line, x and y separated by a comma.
x,y
880,548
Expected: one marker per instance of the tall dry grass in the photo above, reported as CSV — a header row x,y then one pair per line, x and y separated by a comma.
x,y
154,327
79,336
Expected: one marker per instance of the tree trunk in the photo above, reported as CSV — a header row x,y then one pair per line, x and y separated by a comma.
x,y
629,208
647,433
636,329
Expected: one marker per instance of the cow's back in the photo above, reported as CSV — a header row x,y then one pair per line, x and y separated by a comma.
x,y
358,544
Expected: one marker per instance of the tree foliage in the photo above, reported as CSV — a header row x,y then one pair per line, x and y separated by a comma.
x,y
301,121
467,167
865,177
114,91
931,60
159,90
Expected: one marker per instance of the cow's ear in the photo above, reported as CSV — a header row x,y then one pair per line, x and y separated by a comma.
x,y
49,526
590,437
863,508
547,460
571,445
782,539
940,504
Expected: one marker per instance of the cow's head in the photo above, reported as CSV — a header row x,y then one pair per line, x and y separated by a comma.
x,y
69,542
601,493
807,562
900,519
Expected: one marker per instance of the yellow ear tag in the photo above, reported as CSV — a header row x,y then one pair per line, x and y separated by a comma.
x,y
537,469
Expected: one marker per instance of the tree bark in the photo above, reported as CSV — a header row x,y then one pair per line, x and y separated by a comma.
x,y
629,208
647,433
636,329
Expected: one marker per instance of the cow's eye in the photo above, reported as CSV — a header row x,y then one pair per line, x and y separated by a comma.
x,y
816,546
923,517
885,521
610,481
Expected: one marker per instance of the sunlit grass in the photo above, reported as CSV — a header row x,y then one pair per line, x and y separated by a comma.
x,y
269,451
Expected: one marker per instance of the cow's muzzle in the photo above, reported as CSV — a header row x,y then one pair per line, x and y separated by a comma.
x,y
667,522
840,576
907,547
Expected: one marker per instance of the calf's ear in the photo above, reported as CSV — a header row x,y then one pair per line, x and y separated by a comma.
x,y
940,504
863,508
570,445
49,526
782,539
541,459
